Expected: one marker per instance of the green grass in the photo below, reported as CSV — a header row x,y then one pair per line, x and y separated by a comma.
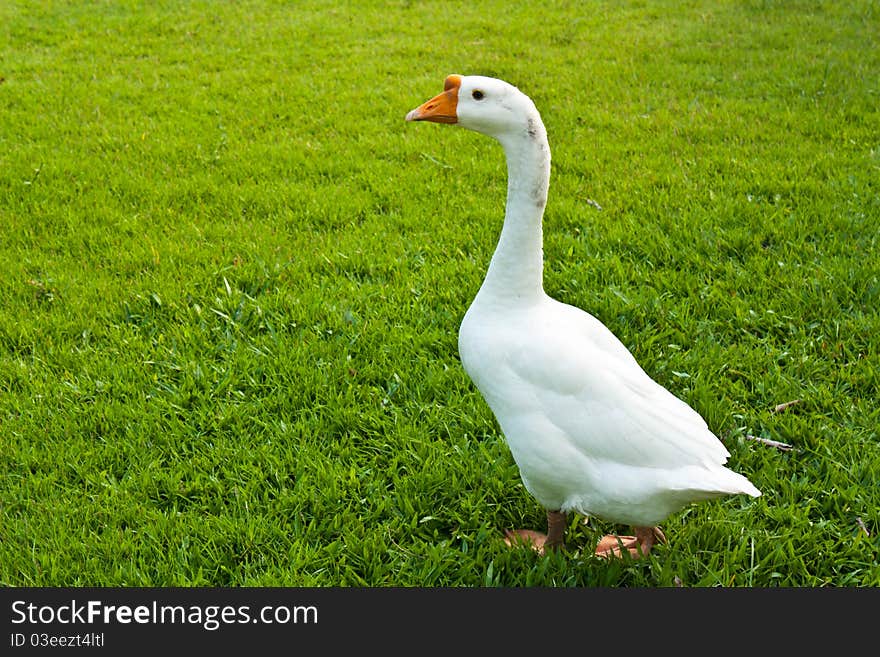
x,y
231,279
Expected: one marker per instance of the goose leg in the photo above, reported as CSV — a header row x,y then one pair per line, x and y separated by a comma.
x,y
556,521
553,540
638,546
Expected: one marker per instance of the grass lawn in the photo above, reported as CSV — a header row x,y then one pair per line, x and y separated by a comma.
x,y
231,279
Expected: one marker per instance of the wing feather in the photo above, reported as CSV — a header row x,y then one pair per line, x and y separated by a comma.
x,y
589,385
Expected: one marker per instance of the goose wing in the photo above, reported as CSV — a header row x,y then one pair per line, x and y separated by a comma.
x,y
585,381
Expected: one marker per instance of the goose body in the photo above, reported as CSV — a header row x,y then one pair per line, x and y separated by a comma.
x,y
590,431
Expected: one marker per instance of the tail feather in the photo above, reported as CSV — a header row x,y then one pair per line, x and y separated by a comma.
x,y
728,481
717,481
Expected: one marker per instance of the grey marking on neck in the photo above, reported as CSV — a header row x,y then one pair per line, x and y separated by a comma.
x,y
532,130
539,197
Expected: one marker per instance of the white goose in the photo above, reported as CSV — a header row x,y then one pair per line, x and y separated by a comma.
x,y
590,431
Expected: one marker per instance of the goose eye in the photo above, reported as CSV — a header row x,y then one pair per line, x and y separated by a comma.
x,y
476,94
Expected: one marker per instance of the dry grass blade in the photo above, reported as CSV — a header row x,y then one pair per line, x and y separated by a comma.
x,y
779,408
785,447
862,526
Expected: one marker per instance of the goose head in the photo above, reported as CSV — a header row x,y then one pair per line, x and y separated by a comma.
x,y
482,104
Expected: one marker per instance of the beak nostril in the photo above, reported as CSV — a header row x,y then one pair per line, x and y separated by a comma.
x,y
440,109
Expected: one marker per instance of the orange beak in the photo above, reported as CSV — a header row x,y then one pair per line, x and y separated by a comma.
x,y
442,107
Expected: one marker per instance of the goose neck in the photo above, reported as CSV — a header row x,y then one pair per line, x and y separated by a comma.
x,y
516,270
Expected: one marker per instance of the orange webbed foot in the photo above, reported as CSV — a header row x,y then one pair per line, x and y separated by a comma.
x,y
637,546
